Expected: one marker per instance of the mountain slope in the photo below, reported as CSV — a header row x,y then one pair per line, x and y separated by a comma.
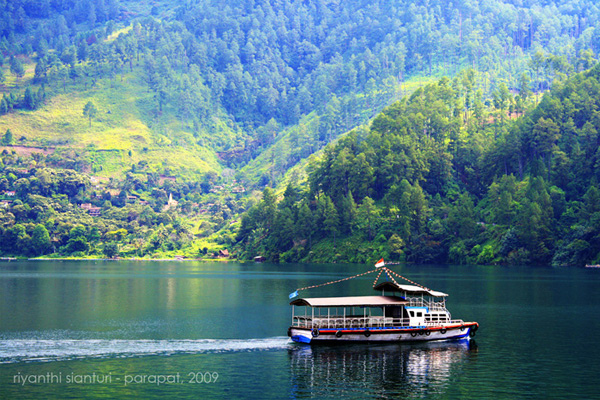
x,y
208,102
422,184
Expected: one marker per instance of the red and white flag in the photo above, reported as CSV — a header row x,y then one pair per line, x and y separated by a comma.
x,y
380,264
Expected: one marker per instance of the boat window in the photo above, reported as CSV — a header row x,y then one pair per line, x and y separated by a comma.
x,y
412,313
419,314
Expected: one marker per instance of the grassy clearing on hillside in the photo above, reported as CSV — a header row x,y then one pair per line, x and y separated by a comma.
x,y
116,33
11,82
125,123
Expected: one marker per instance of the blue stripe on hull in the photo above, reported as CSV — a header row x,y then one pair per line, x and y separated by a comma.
x,y
300,339
327,337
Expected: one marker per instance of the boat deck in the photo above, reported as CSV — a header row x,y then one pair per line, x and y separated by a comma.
x,y
350,322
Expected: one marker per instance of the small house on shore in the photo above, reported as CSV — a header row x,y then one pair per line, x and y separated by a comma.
x,y
224,253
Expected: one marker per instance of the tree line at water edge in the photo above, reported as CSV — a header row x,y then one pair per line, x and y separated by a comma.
x,y
427,182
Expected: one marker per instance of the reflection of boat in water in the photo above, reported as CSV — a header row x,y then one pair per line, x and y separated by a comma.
x,y
384,370
416,313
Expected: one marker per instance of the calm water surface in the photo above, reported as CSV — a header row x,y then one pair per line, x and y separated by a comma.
x,y
217,330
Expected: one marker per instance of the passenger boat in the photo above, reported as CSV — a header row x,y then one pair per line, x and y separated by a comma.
x,y
408,312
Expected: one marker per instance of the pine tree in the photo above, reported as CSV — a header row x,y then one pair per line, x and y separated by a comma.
x,y
90,111
305,224
418,209
7,139
3,106
16,68
367,217
332,220
40,96
29,99
41,71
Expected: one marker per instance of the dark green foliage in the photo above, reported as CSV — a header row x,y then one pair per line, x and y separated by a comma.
x,y
111,249
30,99
289,77
16,67
7,138
40,240
57,211
411,175
3,106
444,174
90,111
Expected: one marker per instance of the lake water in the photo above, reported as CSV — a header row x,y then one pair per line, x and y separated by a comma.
x,y
217,330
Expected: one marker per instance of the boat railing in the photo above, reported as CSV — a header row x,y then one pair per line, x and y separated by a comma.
x,y
446,322
432,305
349,322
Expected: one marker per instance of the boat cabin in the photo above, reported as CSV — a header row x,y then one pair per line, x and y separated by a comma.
x,y
407,306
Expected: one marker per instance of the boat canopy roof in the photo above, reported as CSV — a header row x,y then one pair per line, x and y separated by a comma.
x,y
356,301
408,289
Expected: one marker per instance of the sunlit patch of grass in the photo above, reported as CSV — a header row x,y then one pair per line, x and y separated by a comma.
x,y
12,83
124,123
116,34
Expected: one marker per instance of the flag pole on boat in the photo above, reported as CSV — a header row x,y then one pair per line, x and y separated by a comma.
x,y
379,267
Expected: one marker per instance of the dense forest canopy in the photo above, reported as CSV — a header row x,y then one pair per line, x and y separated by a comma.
x,y
261,60
427,184
230,97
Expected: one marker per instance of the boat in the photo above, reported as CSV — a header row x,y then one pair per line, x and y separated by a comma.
x,y
401,313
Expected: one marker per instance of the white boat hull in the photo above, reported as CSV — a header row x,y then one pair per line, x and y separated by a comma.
x,y
391,334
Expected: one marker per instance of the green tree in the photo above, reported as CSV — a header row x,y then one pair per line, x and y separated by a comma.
x,y
361,177
7,139
30,99
111,249
396,245
40,240
418,210
90,111
462,217
368,215
41,71
545,135
3,106
267,207
78,244
77,231
502,99
305,224
524,83
332,220
16,68
591,202
347,213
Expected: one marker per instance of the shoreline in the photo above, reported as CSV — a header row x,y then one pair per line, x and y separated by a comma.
x,y
9,259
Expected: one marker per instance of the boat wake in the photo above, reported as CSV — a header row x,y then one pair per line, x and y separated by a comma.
x,y
29,350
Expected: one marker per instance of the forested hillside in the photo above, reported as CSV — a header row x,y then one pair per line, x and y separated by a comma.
x,y
208,102
237,77
429,183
